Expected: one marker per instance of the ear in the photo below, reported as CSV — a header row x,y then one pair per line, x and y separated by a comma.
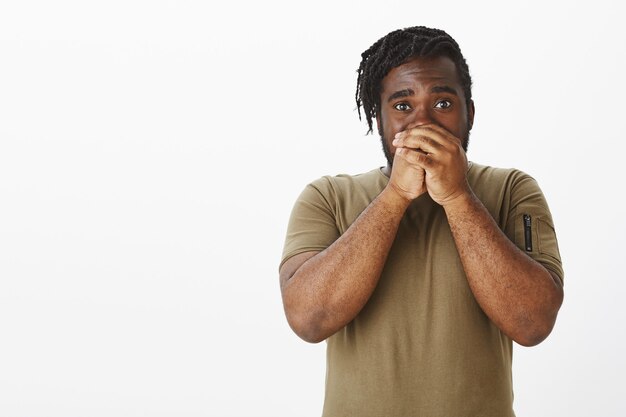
x,y
380,130
470,114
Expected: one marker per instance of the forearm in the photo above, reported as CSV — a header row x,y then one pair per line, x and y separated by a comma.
x,y
330,289
517,293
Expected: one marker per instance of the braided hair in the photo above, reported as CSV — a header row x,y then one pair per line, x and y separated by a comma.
x,y
393,50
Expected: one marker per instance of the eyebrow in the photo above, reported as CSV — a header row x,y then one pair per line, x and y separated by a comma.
x,y
402,93
435,89
443,89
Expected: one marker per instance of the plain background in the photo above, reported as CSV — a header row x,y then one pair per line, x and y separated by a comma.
x,y
150,154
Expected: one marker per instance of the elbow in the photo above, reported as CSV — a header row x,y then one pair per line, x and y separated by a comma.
x,y
532,334
308,327
531,338
311,337
532,331
536,331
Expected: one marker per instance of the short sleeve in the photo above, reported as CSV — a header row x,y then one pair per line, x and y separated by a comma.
x,y
312,224
531,224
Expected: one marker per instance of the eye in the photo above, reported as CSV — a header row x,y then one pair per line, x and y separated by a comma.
x,y
443,104
402,107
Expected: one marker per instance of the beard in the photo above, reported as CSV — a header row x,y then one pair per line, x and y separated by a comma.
x,y
386,150
389,155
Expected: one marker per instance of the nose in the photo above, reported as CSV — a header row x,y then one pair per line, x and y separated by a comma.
x,y
420,116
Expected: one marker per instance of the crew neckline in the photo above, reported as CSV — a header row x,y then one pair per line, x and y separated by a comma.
x,y
470,164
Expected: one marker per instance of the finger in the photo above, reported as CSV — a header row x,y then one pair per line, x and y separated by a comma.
x,y
415,157
438,133
418,141
441,133
436,136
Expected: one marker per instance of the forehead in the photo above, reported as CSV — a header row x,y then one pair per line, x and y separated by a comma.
x,y
421,72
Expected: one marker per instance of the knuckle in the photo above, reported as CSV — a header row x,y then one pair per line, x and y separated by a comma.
x,y
431,142
411,156
423,159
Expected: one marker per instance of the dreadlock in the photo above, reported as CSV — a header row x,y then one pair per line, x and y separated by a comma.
x,y
393,50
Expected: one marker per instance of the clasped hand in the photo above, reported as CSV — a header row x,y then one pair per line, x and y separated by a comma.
x,y
429,159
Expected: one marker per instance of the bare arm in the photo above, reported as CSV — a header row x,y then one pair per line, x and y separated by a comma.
x,y
323,291
520,296
517,293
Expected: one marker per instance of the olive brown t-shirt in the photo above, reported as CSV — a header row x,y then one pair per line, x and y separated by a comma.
x,y
421,346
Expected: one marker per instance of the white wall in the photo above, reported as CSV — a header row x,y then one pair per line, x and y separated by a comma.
x,y
150,153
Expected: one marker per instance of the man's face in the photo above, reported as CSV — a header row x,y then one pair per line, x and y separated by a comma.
x,y
424,90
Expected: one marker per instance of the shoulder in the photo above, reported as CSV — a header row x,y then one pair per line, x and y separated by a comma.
x,y
488,175
343,197
342,184
503,189
494,181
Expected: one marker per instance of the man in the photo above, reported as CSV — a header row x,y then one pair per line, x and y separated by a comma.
x,y
420,275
